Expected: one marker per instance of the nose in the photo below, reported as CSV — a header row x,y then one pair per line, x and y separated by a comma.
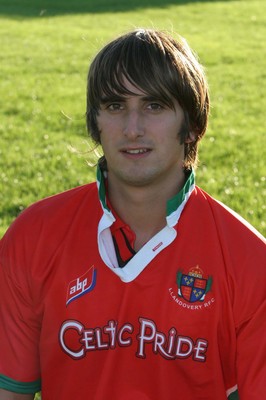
x,y
133,124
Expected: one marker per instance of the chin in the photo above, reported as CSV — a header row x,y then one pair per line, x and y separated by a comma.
x,y
139,181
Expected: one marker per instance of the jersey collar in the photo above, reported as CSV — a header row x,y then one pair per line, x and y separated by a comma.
x,y
174,206
154,246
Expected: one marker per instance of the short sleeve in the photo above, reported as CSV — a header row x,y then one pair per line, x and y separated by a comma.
x,y
250,317
19,325
251,355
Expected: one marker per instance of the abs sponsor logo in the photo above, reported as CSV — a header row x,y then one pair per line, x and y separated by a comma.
x,y
81,285
192,289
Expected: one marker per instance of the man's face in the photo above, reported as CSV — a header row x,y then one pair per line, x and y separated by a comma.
x,y
140,139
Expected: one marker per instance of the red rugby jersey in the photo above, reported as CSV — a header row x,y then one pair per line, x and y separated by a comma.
x,y
185,318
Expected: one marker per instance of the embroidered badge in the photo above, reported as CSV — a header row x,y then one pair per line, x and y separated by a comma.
x,y
81,285
193,286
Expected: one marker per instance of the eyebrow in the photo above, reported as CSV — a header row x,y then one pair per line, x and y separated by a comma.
x,y
113,98
119,98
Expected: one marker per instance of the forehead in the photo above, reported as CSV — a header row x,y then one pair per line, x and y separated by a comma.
x,y
136,95
132,71
129,90
134,89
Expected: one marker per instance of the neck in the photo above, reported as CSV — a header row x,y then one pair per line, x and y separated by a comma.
x,y
143,208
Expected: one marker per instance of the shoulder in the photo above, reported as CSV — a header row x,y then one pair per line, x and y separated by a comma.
x,y
54,214
227,221
239,249
67,200
239,244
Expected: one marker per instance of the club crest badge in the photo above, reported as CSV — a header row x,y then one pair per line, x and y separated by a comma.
x,y
193,286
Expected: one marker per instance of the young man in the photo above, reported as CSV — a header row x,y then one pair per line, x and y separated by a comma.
x,y
142,286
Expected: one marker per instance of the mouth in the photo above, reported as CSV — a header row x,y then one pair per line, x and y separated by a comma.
x,y
136,151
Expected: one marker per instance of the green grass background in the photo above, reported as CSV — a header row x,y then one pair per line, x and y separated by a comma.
x,y
46,48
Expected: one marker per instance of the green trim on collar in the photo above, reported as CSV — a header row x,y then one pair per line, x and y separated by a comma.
x,y
19,387
172,204
101,188
178,199
234,396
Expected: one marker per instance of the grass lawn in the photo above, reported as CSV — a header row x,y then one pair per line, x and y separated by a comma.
x,y
46,47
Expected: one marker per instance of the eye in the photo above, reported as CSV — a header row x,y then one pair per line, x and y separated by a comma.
x,y
155,106
115,107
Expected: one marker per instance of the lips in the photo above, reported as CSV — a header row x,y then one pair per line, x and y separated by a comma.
x,y
136,151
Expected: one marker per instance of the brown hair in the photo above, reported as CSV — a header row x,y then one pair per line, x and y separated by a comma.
x,y
160,66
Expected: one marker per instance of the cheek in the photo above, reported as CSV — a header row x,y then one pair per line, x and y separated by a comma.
x,y
103,129
168,136
108,127
170,126
170,143
104,142
100,123
108,143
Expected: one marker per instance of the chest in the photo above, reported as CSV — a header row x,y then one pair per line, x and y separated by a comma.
x,y
182,295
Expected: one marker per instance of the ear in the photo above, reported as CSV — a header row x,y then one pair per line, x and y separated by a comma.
x,y
191,137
